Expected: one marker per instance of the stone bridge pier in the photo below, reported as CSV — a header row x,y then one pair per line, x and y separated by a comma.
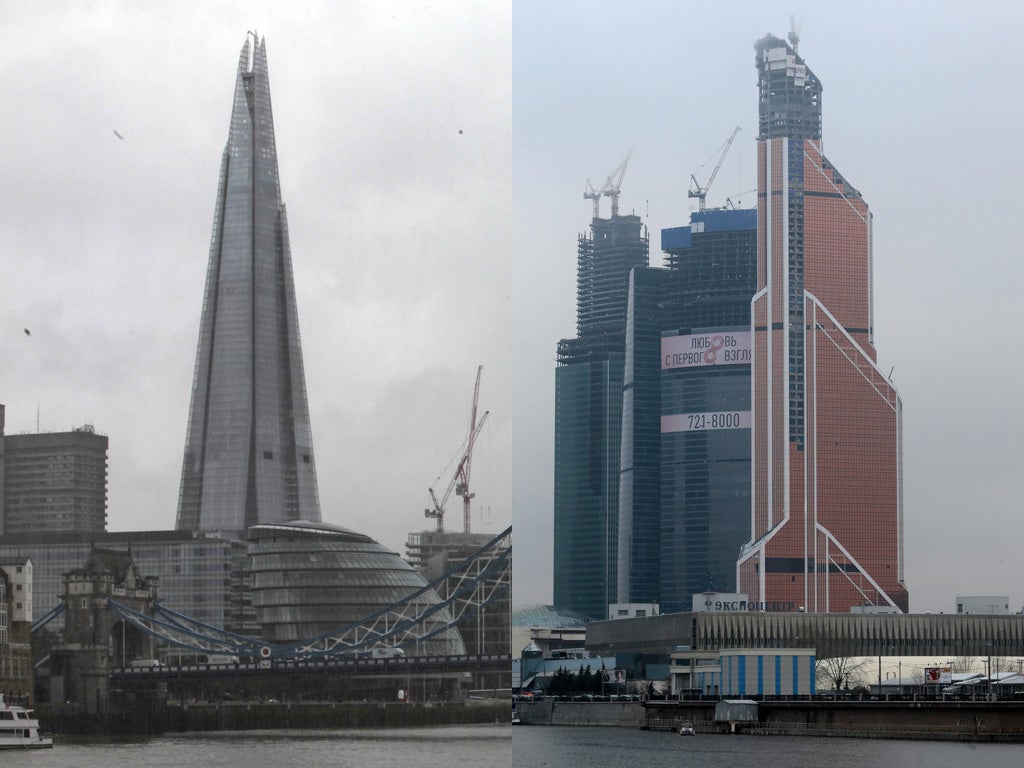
x,y
96,639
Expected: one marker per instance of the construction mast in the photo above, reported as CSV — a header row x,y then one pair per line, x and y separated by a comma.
x,y
460,479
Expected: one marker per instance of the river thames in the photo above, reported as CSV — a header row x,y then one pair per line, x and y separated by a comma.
x,y
593,747
488,746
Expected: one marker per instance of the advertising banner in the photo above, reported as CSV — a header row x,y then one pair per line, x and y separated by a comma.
x,y
702,422
702,349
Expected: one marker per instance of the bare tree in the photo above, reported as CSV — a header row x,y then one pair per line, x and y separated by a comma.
x,y
962,664
841,672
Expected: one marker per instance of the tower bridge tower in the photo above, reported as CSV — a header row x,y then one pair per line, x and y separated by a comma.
x,y
96,639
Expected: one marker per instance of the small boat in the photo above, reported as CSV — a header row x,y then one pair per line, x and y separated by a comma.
x,y
19,728
515,718
686,729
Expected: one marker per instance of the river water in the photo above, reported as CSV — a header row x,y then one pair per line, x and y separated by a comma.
x,y
488,746
594,747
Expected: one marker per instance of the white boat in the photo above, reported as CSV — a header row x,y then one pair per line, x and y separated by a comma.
x,y
19,728
686,729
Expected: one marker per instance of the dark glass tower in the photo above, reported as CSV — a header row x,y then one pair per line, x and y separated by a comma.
x,y
249,448
588,406
684,493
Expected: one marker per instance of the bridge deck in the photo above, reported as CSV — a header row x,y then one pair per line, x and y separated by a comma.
x,y
487,662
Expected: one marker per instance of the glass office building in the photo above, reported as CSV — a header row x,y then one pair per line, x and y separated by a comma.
x,y
684,494
249,448
827,511
309,579
588,405
201,576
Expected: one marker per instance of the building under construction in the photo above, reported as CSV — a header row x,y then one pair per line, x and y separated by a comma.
x,y
588,405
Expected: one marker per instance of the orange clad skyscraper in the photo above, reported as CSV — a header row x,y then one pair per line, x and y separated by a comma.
x,y
827,497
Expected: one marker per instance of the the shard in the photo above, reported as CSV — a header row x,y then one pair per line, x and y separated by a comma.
x,y
249,448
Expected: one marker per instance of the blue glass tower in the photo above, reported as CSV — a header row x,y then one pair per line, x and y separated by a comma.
x,y
588,416
684,482
249,448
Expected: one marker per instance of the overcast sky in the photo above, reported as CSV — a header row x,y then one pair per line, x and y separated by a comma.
x,y
921,112
433,158
393,135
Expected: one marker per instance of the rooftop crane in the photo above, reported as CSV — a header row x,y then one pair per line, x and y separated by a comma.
x,y
460,479
794,31
696,190
594,194
613,184
610,188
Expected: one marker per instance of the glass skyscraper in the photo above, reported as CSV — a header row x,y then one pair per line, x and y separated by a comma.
x,y
249,448
827,511
684,492
588,406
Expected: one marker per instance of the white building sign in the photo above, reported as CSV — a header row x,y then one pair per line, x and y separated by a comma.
x,y
703,422
701,349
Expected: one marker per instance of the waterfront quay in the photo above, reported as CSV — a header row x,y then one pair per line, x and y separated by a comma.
x,y
980,721
152,717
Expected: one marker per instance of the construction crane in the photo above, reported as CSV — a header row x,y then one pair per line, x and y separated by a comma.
x,y
593,194
460,479
794,31
730,205
610,189
614,183
696,190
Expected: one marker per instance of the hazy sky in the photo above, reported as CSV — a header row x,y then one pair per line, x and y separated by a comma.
x,y
921,112
433,158
393,136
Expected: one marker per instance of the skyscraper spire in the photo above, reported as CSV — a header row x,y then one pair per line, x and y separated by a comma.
x,y
249,448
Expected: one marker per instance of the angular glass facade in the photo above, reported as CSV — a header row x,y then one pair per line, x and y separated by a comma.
x,y
684,499
639,534
249,448
588,418
827,509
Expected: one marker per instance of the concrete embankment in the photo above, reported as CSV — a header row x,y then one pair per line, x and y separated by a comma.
x,y
925,720
550,712
155,719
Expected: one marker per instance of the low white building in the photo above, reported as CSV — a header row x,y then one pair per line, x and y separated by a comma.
x,y
983,605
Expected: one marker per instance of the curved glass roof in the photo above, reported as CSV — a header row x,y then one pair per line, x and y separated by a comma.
x,y
546,616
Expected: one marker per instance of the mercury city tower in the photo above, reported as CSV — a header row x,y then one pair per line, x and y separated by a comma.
x,y
827,506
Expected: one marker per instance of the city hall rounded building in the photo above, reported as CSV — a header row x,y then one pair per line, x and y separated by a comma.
x,y
310,578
